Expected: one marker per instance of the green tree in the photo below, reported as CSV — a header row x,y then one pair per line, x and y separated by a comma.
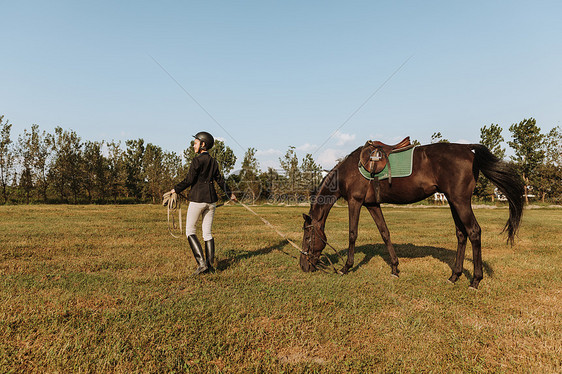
x,y
134,182
548,180
153,167
41,149
249,175
549,173
529,153
95,171
224,156
172,170
311,174
438,138
273,185
290,165
117,175
25,155
7,157
491,137
553,147
66,172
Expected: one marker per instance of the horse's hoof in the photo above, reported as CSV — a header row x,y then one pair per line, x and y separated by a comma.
x,y
450,281
474,284
453,278
472,288
394,275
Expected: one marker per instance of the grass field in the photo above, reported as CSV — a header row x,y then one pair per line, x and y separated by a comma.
x,y
107,289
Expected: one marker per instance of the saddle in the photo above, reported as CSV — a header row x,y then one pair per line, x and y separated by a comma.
x,y
374,158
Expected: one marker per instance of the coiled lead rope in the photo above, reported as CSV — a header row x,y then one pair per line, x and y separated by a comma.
x,y
173,202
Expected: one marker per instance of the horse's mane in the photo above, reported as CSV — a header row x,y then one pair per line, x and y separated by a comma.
x,y
330,174
327,178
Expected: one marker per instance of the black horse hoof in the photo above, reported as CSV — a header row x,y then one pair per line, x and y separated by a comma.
x,y
453,278
474,285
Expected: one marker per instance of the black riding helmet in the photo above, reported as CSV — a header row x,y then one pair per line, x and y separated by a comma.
x,y
205,137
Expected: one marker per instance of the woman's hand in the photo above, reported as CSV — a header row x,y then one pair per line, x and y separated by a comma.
x,y
233,197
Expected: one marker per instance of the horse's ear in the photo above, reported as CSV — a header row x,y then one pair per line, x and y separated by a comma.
x,y
306,217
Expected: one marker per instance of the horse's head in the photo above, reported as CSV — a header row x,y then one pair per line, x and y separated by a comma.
x,y
313,242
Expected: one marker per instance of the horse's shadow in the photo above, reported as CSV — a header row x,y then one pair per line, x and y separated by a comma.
x,y
409,250
225,263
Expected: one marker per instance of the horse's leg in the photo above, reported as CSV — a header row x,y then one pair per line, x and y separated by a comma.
x,y
354,208
461,246
376,213
473,231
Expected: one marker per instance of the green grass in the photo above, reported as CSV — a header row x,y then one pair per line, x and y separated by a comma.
x,y
107,289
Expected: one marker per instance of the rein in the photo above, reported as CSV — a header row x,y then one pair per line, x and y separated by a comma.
x,y
326,243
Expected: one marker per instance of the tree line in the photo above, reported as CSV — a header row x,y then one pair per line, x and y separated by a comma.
x,y
61,167
537,158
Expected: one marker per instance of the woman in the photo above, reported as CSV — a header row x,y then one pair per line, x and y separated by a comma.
x,y
203,171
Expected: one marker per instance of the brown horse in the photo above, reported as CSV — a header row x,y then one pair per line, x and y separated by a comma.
x,y
448,168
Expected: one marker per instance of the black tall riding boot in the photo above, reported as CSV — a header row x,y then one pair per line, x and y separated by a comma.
x,y
210,254
198,254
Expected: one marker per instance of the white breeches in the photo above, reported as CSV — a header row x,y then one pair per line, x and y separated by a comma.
x,y
194,211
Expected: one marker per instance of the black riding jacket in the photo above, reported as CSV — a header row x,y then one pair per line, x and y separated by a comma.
x,y
202,172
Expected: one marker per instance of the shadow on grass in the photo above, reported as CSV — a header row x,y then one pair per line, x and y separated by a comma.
x,y
227,262
409,250
412,251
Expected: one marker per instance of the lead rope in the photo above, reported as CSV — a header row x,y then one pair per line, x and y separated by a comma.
x,y
273,227
173,202
289,240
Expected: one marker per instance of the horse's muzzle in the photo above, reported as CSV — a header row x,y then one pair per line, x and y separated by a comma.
x,y
307,263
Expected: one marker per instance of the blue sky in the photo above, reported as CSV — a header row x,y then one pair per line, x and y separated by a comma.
x,y
274,74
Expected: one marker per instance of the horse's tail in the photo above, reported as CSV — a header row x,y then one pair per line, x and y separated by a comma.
x,y
508,182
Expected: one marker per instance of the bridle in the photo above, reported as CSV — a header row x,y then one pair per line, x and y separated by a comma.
x,y
325,242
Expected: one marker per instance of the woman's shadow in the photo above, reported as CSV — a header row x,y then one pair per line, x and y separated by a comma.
x,y
410,250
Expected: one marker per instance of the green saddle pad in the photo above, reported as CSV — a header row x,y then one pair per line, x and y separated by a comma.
x,y
400,165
